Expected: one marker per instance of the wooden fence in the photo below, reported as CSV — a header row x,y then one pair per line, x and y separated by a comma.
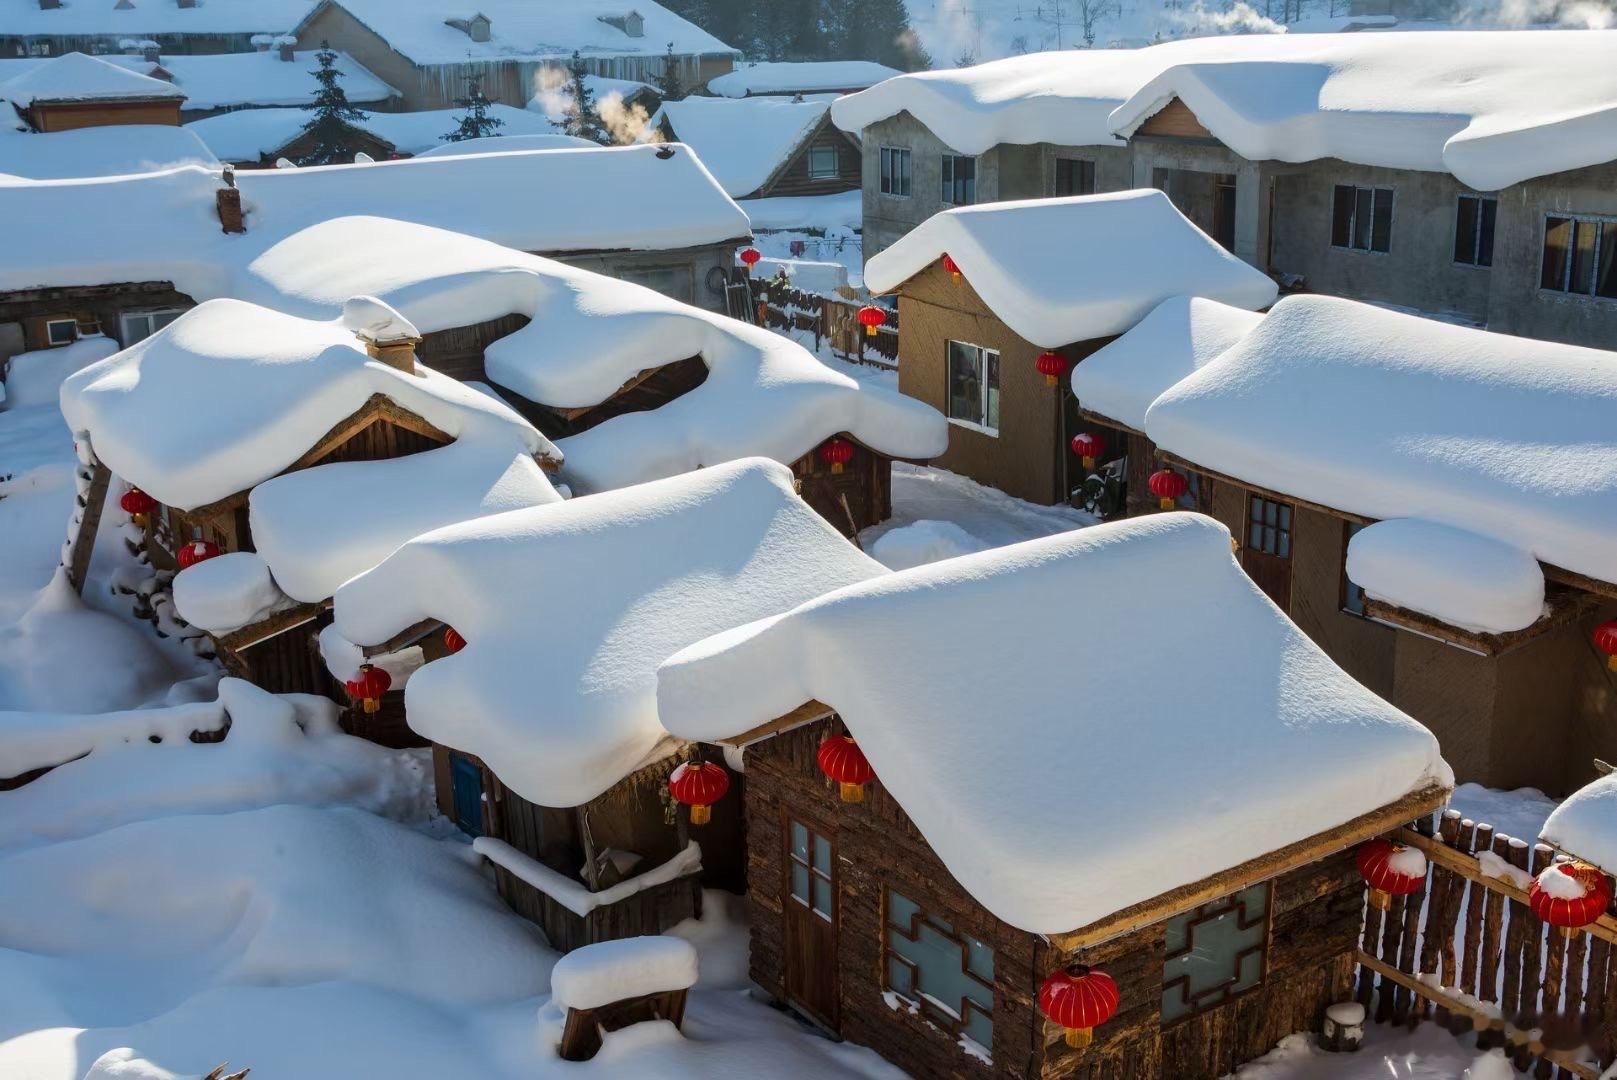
x,y
1468,953
833,321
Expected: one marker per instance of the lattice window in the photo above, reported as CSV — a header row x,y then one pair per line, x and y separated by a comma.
x,y
949,976
1269,527
812,883
1215,953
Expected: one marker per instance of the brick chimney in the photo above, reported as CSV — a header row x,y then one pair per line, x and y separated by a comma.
x,y
228,199
388,336
285,46
151,53
49,5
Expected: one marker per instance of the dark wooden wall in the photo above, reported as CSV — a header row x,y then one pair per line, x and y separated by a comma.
x,y
794,178
92,306
69,116
458,351
866,483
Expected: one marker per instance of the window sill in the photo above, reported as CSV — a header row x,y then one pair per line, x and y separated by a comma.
x,y
1359,251
992,433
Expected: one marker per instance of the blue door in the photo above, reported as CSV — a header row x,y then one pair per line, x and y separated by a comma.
x,y
467,779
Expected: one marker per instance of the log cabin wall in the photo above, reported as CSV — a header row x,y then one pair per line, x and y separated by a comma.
x,y
458,351
72,115
860,496
30,311
290,663
794,178
647,392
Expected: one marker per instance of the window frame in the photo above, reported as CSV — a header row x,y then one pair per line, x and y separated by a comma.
x,y
1347,587
983,353
836,162
1603,225
889,178
50,334
814,832
950,183
124,318
1085,167
1353,218
1284,525
954,1026
1264,948
1477,229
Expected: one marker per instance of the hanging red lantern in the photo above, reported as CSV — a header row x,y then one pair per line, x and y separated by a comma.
x,y
836,452
841,760
1390,870
870,317
1167,486
453,642
1605,639
1052,365
138,505
368,686
1088,446
951,266
1569,896
194,552
750,257
1080,999
699,784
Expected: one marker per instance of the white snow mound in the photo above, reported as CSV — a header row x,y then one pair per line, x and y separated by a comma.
x,y
1466,580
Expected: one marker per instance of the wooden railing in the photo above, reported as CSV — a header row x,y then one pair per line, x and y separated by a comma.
x,y
1468,953
830,320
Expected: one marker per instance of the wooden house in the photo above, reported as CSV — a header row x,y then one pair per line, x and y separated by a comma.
x,y
79,91
759,148
544,726
270,458
942,822
995,309
1427,501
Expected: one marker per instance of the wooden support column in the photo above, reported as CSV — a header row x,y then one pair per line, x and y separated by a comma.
x,y
95,497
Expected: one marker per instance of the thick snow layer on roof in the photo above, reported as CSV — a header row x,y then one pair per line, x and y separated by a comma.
x,y
248,134
27,18
504,144
113,150
1466,580
230,394
611,971
1389,415
1122,379
741,142
77,77
806,77
1035,799
227,592
844,210
1139,250
523,30
1586,823
561,708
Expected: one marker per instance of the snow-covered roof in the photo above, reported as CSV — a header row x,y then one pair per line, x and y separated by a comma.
x,y
523,30
1138,251
248,134
1467,580
1057,809
801,77
111,150
1491,107
25,18
1120,380
1585,824
1387,415
561,708
504,144
554,97
77,77
742,142
230,394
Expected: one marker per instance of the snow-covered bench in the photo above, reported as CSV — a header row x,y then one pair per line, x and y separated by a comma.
x,y
613,984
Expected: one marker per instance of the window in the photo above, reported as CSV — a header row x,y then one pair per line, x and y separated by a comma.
x,y
39,48
61,331
1361,218
1352,595
674,281
959,179
1215,953
1474,218
948,976
811,872
974,386
1074,177
1269,527
895,172
822,162
143,324
1580,256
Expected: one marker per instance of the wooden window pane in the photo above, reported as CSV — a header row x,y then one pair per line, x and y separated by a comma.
x,y
799,842
822,855
1557,248
1606,270
1215,952
948,975
1381,227
1582,278
1362,212
1465,229
991,395
1490,214
822,897
965,383
800,882
1342,216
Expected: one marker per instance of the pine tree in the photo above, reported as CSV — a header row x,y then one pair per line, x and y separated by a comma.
x,y
334,118
476,123
670,87
582,118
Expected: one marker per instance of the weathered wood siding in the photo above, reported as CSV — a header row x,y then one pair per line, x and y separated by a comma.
x,y
860,496
650,911
93,307
1175,120
69,116
794,179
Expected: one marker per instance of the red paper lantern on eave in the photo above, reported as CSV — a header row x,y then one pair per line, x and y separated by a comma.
x,y
952,267
1080,999
1605,639
138,505
1569,896
841,760
1389,870
1088,446
195,551
1167,486
699,784
453,642
836,452
368,686
750,257
871,317
1052,365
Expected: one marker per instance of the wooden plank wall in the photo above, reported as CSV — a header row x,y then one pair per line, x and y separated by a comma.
x,y
860,496
650,911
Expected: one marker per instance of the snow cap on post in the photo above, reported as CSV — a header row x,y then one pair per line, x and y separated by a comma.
x,y
388,335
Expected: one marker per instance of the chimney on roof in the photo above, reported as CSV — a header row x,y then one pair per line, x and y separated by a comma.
x,y
49,5
124,5
185,3
476,27
150,53
388,336
631,23
262,42
228,201
285,47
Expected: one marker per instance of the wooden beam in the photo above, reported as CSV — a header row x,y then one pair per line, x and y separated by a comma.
x,y
266,628
1093,417
806,713
404,638
1263,868
1566,605
95,497
634,381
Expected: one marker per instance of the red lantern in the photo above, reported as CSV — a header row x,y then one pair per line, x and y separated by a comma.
x,y
1080,999
138,505
841,759
1390,870
1569,896
194,552
1088,446
1605,638
368,686
453,642
836,452
699,784
1052,365
1167,486
750,257
951,266
870,317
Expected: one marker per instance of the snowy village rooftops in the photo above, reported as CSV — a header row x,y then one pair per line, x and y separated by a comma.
x,y
1120,380
505,144
77,77
231,394
1382,415
27,18
804,77
1585,824
1056,808
112,150
743,143
249,134
563,708
1018,257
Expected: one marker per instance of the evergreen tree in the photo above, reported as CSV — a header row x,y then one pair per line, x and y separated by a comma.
x,y
476,123
669,85
582,118
334,118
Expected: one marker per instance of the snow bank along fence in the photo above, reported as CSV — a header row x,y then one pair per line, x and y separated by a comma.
x,y
779,306
1466,950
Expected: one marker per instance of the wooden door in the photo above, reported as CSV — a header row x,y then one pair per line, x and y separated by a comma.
x,y
1266,554
467,779
809,906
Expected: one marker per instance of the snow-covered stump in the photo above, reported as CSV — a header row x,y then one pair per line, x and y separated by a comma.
x,y
1344,1028
614,984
